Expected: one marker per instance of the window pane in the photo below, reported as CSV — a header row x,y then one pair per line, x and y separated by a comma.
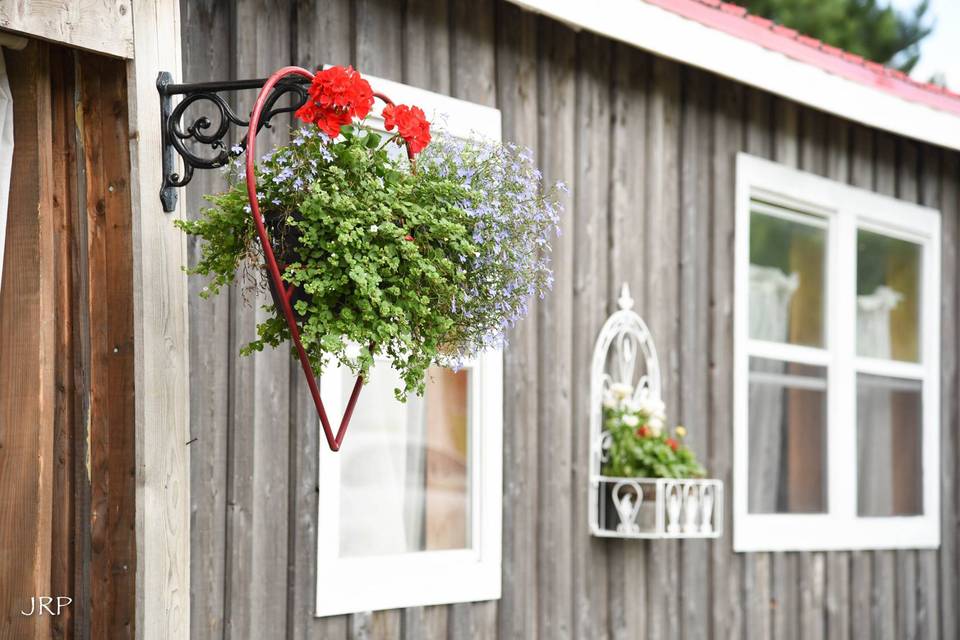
x,y
787,437
405,476
890,446
888,297
787,261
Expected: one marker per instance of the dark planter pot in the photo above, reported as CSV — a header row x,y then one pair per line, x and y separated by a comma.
x,y
646,518
285,242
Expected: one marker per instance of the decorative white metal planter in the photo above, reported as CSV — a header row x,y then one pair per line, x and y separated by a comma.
x,y
640,507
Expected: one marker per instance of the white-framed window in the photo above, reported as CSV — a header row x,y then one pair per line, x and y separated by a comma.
x,y
410,507
836,365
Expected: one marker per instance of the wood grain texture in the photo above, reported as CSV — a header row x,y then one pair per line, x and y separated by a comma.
x,y
949,193
591,203
626,560
320,39
861,563
694,255
884,603
557,91
205,33
517,99
161,347
729,610
907,587
649,148
27,340
758,567
68,488
813,157
104,131
785,603
472,77
259,447
104,26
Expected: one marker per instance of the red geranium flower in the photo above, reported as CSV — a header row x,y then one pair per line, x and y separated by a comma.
x,y
336,96
673,444
643,432
411,124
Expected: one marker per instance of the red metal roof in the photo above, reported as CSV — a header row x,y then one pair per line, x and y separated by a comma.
x,y
737,21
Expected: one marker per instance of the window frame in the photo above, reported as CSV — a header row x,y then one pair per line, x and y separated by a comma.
x,y
845,209
379,582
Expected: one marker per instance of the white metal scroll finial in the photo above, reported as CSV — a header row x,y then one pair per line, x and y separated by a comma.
x,y
625,301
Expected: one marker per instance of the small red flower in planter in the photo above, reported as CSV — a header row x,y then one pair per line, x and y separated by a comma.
x,y
643,431
411,124
336,96
673,444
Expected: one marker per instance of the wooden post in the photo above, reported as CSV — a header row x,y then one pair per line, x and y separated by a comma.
x,y
161,349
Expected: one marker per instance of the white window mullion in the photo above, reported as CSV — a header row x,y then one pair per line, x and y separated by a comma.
x,y
842,423
789,352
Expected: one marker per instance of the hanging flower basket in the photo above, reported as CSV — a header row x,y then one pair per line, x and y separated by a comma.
x,y
424,257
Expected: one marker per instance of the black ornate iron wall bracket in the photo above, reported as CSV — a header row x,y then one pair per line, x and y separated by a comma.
x,y
188,139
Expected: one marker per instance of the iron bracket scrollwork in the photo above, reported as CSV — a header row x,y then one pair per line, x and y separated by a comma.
x,y
181,136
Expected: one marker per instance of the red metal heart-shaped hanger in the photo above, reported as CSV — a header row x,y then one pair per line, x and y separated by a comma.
x,y
273,268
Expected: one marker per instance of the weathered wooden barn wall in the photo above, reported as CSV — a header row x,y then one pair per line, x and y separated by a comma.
x,y
648,147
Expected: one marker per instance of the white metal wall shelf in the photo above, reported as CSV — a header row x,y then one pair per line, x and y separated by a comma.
x,y
642,508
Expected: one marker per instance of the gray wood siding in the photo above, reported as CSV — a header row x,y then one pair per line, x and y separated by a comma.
x,y
648,148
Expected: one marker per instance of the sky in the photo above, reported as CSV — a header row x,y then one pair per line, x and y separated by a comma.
x,y
940,52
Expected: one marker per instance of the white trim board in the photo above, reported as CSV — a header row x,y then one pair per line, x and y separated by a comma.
x,y
672,36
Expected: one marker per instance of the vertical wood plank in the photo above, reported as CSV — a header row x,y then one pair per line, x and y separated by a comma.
x,y
205,35
323,33
839,604
861,568
695,270
589,313
161,344
426,64
729,607
884,602
626,559
378,46
517,98
907,188
812,567
258,446
660,305
950,210
26,352
473,78
377,39
758,566
554,543
472,59
784,574
65,543
323,37
102,108
426,44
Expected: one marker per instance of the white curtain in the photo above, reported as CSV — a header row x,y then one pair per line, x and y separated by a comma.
x,y
874,407
770,293
6,151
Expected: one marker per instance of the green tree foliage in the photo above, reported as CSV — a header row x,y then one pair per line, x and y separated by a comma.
x,y
869,28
